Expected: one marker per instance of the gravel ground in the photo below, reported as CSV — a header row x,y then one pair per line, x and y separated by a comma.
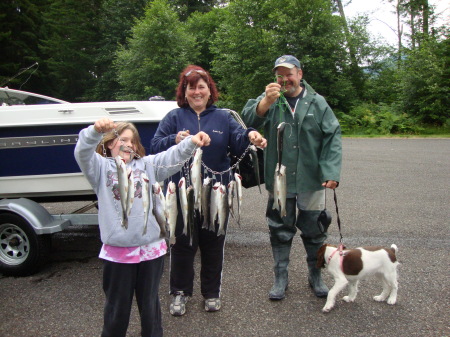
x,y
392,191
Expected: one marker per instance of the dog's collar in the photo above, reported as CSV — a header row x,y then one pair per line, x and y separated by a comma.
x,y
341,255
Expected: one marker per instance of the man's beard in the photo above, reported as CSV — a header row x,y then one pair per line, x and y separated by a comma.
x,y
291,91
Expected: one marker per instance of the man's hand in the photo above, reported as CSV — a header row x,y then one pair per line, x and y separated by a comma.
x,y
330,184
273,91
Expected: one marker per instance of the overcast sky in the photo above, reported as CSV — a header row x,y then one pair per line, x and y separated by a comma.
x,y
382,15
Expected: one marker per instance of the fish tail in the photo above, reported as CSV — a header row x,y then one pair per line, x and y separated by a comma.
x,y
221,232
172,240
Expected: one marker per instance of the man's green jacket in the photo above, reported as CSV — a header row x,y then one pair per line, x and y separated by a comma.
x,y
312,145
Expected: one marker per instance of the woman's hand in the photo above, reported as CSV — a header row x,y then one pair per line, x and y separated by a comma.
x,y
104,125
181,135
256,139
201,139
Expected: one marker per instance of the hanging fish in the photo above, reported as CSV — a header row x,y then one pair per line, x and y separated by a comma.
x,y
213,209
231,193
206,201
130,193
183,203
191,212
279,184
159,205
255,161
145,199
222,209
171,210
122,178
279,190
238,180
196,178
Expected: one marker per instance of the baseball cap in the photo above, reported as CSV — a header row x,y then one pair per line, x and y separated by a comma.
x,y
287,61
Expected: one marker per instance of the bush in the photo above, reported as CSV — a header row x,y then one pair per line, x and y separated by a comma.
x,y
377,119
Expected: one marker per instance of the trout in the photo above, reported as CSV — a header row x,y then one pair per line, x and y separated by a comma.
x,y
191,212
222,209
122,179
255,161
279,183
231,192
130,193
159,205
238,180
196,178
279,190
183,203
145,199
214,210
171,210
206,201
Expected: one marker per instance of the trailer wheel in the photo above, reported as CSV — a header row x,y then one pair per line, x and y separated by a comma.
x,y
22,251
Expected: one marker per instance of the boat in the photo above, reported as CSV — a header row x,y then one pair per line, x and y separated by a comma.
x,y
38,135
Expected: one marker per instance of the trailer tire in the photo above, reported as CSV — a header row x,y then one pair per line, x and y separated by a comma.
x,y
22,251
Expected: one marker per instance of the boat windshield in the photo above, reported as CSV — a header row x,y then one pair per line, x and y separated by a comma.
x,y
18,97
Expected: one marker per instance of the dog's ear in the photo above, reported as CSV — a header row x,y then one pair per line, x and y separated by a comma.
x,y
321,257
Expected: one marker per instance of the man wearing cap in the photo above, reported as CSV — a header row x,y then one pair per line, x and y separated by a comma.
x,y
312,154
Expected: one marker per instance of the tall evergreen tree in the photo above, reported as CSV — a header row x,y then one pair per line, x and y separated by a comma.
x,y
70,34
19,36
116,19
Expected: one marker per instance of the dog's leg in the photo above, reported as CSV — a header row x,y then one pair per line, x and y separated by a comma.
x,y
394,287
339,283
353,291
386,289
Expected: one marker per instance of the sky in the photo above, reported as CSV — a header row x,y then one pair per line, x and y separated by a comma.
x,y
383,17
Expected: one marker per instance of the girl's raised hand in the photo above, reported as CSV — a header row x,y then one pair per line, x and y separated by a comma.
x,y
201,139
104,125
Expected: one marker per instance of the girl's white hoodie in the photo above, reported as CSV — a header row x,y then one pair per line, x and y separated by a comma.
x,y
101,173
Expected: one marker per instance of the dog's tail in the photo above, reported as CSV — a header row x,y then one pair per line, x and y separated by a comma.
x,y
394,247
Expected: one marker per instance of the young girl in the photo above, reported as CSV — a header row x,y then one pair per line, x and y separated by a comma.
x,y
133,251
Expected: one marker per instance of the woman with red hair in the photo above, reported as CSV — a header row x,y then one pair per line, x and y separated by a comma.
x,y
196,95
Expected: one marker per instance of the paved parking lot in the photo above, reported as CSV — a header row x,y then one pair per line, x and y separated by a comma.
x,y
392,191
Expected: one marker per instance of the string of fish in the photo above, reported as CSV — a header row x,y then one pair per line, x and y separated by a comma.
x,y
126,186
165,207
213,201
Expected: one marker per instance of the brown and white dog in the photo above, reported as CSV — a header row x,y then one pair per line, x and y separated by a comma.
x,y
349,266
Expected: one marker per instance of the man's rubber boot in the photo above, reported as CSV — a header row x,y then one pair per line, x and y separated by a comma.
x,y
281,253
316,283
315,274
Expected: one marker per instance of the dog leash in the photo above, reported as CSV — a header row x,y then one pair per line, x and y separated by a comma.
x,y
338,218
341,246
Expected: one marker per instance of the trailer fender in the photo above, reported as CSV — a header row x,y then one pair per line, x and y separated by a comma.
x,y
35,214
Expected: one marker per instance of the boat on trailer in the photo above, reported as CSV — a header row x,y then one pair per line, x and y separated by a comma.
x,y
37,141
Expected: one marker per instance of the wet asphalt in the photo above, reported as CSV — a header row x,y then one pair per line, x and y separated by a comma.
x,y
392,191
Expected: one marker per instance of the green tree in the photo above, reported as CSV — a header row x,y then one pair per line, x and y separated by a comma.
x,y
247,42
113,32
70,33
185,8
159,48
19,36
425,81
203,26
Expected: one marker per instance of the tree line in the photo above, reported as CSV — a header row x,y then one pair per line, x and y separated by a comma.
x,y
107,50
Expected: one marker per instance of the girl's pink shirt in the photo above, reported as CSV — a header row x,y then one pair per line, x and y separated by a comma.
x,y
133,254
